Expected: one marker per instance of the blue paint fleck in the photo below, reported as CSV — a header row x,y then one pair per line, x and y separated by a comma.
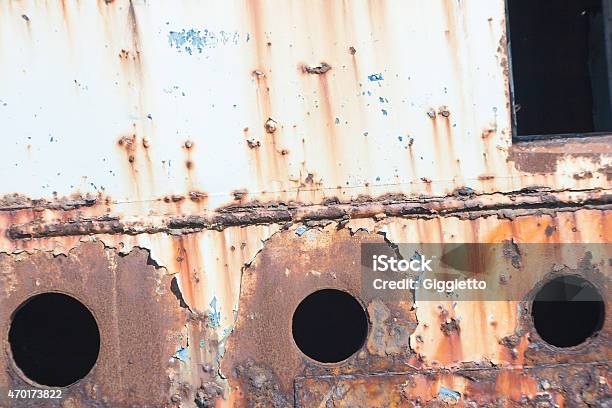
x,y
214,316
400,138
182,354
375,77
300,230
337,121
445,392
377,178
192,40
365,134
384,112
202,344
226,332
381,99
415,256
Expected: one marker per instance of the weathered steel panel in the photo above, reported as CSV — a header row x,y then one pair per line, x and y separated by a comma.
x,y
136,312
191,170
541,387
162,100
404,336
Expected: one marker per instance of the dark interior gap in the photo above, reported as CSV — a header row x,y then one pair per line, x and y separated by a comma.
x,y
561,67
567,311
54,339
329,325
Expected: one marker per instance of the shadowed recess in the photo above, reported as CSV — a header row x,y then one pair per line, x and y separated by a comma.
x,y
54,339
561,67
329,325
567,311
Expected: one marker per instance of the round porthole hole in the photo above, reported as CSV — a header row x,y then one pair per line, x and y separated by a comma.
x,y
54,339
329,326
567,311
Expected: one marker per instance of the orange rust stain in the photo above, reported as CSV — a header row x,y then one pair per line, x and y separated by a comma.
x,y
449,139
450,16
270,160
450,348
412,161
425,389
504,231
186,263
263,97
262,61
189,147
125,55
575,229
376,14
515,384
127,144
173,198
149,165
224,251
133,22
255,16
355,65
439,153
475,230
256,156
488,146
524,229
486,133
443,149
64,10
479,390
517,356
551,230
329,119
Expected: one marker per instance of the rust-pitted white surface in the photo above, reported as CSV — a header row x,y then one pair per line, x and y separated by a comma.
x,y
416,100
202,130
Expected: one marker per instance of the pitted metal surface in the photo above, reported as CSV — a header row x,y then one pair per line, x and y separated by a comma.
x,y
190,171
